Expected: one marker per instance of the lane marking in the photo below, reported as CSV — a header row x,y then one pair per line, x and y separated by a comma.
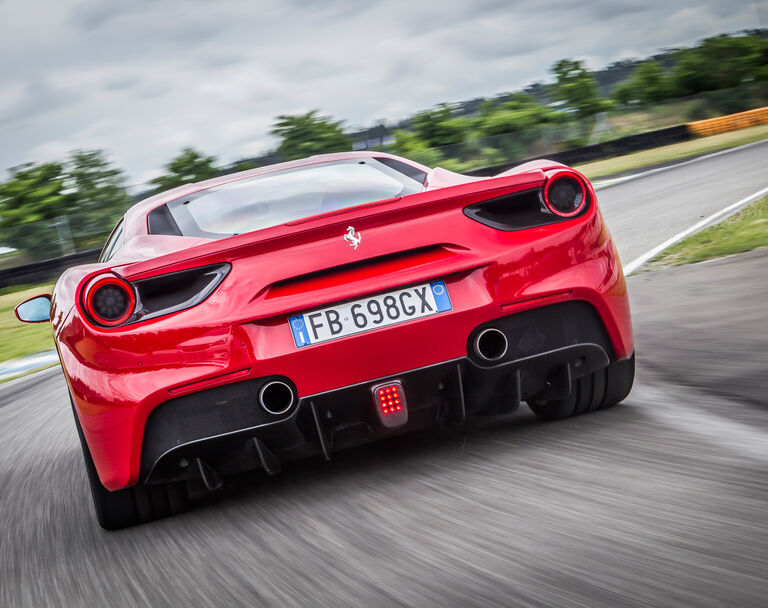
x,y
639,261
628,178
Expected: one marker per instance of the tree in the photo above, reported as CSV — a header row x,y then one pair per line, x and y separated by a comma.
x,y
97,194
437,128
409,145
624,93
243,165
188,167
577,87
650,82
31,201
721,62
307,134
74,204
522,112
647,84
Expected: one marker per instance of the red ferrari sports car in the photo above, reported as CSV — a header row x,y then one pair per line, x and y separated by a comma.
x,y
305,307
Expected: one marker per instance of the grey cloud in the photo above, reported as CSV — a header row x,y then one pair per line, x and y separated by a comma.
x,y
38,97
608,9
94,15
121,83
153,90
194,33
329,9
217,62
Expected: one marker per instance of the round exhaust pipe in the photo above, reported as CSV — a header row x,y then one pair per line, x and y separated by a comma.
x,y
276,397
491,344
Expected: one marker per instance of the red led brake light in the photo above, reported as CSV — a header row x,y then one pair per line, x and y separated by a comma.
x,y
390,399
390,404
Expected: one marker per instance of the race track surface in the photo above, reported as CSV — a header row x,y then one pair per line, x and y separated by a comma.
x,y
658,502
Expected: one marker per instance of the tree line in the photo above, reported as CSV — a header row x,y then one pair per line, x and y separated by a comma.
x,y
77,200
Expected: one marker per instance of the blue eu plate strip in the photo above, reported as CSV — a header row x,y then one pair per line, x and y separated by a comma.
x,y
299,329
441,296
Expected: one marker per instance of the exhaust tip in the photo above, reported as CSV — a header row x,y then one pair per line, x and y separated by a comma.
x,y
276,397
491,344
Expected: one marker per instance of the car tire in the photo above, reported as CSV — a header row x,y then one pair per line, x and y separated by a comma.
x,y
599,390
133,505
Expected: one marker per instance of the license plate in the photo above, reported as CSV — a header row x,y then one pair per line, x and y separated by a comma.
x,y
370,313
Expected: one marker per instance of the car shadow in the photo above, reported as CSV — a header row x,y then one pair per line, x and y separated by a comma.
x,y
402,455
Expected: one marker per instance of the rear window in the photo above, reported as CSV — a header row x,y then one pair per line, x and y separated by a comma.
x,y
284,196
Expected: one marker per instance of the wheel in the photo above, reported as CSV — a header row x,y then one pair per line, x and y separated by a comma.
x,y
134,505
602,389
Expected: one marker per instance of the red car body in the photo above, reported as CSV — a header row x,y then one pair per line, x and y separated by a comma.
x,y
118,376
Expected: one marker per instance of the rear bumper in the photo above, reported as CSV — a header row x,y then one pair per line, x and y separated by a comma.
x,y
227,429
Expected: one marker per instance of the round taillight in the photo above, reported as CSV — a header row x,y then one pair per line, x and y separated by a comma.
x,y
109,301
565,195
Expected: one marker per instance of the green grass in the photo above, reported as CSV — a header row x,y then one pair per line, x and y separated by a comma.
x,y
744,231
16,338
686,149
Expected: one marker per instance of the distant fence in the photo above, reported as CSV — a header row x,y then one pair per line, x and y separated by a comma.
x,y
607,149
47,270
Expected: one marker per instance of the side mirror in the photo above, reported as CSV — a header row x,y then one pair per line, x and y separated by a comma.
x,y
35,310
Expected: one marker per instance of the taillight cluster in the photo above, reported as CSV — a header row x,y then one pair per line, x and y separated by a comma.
x,y
110,301
565,195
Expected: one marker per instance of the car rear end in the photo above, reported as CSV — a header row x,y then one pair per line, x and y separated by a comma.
x,y
333,330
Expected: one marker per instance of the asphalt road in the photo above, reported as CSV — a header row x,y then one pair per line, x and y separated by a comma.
x,y
658,502
718,341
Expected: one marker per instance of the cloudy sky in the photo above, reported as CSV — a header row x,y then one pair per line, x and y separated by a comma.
x,y
143,78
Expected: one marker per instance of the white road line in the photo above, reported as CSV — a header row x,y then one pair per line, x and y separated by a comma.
x,y
639,261
621,180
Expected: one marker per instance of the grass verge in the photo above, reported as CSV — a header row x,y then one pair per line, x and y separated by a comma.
x,y
656,156
16,338
744,231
